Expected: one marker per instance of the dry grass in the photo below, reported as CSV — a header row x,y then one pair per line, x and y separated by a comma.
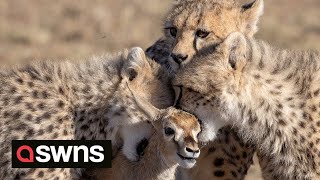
x,y
38,29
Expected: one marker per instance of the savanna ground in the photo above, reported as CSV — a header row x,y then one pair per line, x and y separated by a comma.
x,y
71,29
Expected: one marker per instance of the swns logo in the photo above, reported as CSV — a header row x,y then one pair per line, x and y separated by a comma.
x,y
61,154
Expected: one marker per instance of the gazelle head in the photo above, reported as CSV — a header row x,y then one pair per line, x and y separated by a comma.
x,y
180,130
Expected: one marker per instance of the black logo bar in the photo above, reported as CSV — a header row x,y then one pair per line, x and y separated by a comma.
x,y
61,154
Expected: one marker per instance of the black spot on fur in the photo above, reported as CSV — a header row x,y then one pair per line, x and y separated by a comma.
x,y
278,114
28,117
313,108
211,150
279,133
35,94
31,84
49,128
294,131
244,154
41,106
18,100
302,124
48,78
41,174
61,91
234,174
279,87
289,98
45,94
280,106
13,90
60,104
46,115
84,127
30,132
218,162
282,122
55,135
40,132
290,76
219,173
19,80
65,132
257,76
17,115
6,101
51,169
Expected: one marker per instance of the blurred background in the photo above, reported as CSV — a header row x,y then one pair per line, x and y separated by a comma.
x,y
69,29
34,29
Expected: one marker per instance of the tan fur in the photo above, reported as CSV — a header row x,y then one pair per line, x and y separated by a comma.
x,y
271,95
91,99
220,18
159,161
217,17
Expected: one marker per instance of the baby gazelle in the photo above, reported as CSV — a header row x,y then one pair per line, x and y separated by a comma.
x,y
173,144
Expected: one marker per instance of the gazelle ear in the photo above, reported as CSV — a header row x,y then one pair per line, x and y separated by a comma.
x,y
149,109
135,63
235,46
250,16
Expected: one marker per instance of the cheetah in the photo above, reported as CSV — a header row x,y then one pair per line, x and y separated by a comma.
x,y
190,27
193,25
89,100
271,95
173,143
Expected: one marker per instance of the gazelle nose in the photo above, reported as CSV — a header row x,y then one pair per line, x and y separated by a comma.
x,y
192,150
179,58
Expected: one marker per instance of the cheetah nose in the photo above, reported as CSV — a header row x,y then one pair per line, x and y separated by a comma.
x,y
179,58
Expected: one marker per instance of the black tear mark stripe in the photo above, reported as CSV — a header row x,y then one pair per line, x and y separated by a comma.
x,y
179,98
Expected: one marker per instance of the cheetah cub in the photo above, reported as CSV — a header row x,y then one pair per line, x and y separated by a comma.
x,y
271,95
193,25
173,143
92,99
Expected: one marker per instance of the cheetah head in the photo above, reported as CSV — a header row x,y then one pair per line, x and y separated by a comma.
x,y
209,85
193,25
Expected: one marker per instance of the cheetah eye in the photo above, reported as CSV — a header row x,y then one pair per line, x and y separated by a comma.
x,y
169,131
173,31
202,33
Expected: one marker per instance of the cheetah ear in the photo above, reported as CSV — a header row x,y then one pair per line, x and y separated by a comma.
x,y
135,63
235,48
250,15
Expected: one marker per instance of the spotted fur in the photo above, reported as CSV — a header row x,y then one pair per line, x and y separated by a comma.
x,y
191,17
91,99
219,19
271,95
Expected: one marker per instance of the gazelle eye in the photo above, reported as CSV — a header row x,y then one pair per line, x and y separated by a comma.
x,y
173,31
202,33
169,131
